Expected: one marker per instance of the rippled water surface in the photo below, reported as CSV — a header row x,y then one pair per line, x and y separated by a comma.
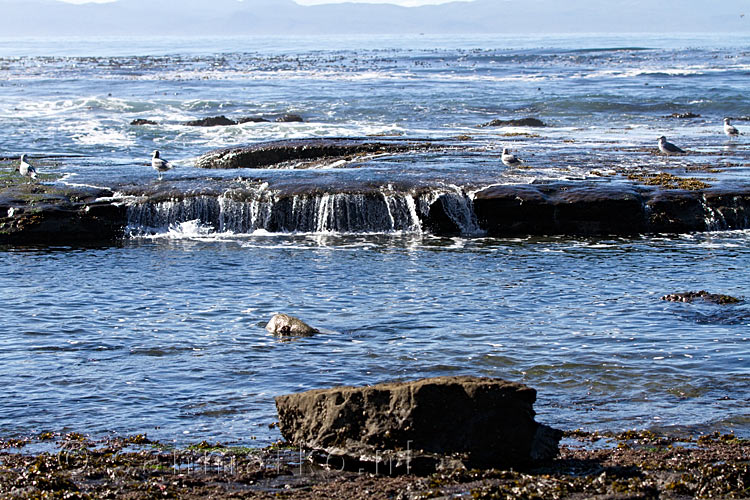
x,y
164,334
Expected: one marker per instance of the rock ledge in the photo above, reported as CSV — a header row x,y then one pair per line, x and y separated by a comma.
x,y
478,422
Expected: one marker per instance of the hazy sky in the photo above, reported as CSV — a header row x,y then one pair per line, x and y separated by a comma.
x,y
241,17
405,3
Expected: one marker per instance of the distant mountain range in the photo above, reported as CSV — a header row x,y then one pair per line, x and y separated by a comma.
x,y
282,17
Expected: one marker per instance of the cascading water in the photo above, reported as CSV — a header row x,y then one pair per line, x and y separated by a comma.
x,y
371,212
459,207
730,212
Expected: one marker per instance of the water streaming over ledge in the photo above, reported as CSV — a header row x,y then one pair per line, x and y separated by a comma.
x,y
377,211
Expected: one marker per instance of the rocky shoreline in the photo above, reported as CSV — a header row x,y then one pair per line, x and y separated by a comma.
x,y
628,465
650,202
466,437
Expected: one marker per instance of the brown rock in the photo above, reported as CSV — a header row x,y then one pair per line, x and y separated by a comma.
x,y
480,421
289,326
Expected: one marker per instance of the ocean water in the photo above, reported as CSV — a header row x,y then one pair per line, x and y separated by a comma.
x,y
163,333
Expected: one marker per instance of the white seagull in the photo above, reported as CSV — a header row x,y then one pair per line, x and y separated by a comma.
x,y
510,159
160,165
667,147
25,168
730,129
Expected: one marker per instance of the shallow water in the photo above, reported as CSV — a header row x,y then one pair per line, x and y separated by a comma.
x,y
164,334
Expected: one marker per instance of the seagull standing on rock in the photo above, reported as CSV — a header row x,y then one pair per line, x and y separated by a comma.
x,y
730,129
667,147
159,164
510,159
26,169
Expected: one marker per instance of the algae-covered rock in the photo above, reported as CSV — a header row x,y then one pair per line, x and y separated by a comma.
x,y
714,298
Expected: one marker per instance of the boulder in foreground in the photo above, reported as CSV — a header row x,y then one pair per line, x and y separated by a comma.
x,y
289,326
474,421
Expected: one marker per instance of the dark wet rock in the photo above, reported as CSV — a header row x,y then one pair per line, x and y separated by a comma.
x,y
522,122
289,118
448,215
478,422
553,209
252,119
49,215
439,221
289,206
289,326
683,116
213,121
143,121
601,210
274,152
676,212
713,298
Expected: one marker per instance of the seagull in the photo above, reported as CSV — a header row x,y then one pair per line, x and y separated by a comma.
x,y
509,158
667,147
730,129
160,165
25,169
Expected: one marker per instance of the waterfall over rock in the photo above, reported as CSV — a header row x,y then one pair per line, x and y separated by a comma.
x,y
373,211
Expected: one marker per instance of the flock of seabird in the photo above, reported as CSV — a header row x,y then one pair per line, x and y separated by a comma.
x,y
509,159
666,147
159,164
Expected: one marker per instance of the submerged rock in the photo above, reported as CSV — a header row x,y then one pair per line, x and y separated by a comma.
x,y
714,298
143,121
683,116
289,118
289,326
252,119
480,422
523,122
213,121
